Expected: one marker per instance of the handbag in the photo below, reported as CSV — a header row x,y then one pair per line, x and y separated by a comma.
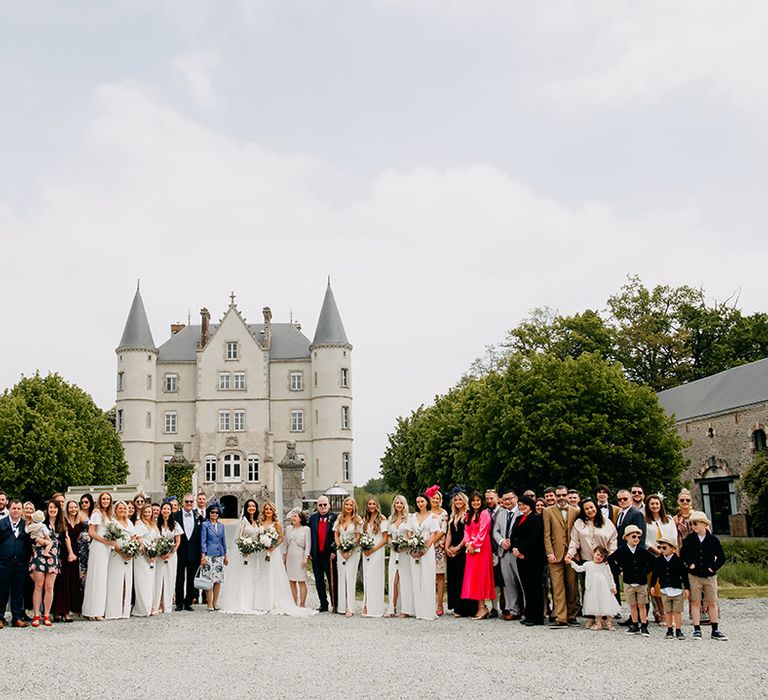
x,y
202,582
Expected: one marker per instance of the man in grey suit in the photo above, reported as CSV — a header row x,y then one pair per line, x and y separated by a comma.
x,y
502,529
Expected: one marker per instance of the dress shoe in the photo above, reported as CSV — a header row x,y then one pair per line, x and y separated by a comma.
x,y
323,608
573,622
179,608
507,616
188,608
20,623
493,613
2,622
558,625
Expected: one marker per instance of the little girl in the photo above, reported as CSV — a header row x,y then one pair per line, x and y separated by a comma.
x,y
599,596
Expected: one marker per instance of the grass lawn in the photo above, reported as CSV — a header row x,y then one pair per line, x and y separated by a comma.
x,y
742,592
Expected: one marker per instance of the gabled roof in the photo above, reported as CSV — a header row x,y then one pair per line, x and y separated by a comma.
x,y
745,385
330,329
288,343
137,334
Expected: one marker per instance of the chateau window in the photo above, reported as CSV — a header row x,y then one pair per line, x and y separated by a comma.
x,y
224,421
149,381
239,378
253,467
224,381
210,469
345,417
297,381
346,467
231,350
171,383
315,378
120,381
344,377
231,467
297,421
149,420
170,422
758,439
119,424
166,459
147,470
238,422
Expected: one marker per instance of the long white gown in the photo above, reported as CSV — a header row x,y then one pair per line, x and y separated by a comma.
x,y
119,581
373,573
273,592
95,594
400,565
238,595
346,569
144,572
423,570
165,574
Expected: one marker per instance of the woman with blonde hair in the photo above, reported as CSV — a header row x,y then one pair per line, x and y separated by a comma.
x,y
95,595
347,530
120,569
400,586
456,555
435,497
376,528
144,574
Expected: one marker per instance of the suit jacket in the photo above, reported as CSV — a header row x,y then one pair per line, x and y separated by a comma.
x,y
189,549
634,567
213,542
706,556
633,516
499,531
528,537
669,574
557,532
613,511
14,550
314,521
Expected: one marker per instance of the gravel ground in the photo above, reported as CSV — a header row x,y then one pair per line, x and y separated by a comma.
x,y
202,654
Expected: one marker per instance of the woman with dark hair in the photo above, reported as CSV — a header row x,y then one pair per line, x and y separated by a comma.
x,y
84,538
165,570
138,505
45,566
238,595
297,548
423,563
213,547
67,597
528,546
590,530
95,595
478,573
456,555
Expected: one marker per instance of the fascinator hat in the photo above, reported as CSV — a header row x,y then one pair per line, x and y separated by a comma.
x,y
213,505
459,488
432,490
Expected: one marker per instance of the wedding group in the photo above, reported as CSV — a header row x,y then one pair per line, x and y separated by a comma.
x,y
493,555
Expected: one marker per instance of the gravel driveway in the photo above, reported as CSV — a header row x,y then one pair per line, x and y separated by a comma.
x,y
224,656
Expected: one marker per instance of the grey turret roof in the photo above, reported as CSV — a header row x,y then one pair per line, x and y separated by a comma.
x,y
330,329
738,387
137,334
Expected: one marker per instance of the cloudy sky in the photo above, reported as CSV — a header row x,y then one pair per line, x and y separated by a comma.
x,y
450,163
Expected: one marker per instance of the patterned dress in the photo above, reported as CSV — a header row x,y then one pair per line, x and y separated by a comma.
x,y
46,564
83,542
440,557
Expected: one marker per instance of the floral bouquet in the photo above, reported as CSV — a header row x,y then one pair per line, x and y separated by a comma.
x,y
367,543
417,545
114,533
399,543
130,549
247,545
151,552
346,544
269,539
165,545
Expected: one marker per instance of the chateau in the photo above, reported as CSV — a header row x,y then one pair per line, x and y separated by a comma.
x,y
234,393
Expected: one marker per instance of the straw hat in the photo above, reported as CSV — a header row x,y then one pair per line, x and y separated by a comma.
x,y
632,529
699,517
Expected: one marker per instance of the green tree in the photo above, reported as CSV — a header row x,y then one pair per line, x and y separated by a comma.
x,y
52,436
755,483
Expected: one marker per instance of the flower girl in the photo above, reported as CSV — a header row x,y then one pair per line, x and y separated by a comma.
x,y
600,592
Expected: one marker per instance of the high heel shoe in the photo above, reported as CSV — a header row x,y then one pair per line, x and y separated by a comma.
x,y
36,621
484,616
47,621
439,612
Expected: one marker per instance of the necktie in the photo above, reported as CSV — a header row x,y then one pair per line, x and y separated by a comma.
x,y
620,520
509,522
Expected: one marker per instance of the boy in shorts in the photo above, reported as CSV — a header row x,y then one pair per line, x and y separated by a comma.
x,y
635,562
669,572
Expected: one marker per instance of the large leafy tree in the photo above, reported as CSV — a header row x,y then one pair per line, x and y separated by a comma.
x,y
52,436
540,421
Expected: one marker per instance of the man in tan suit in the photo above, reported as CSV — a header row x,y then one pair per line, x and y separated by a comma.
x,y
558,522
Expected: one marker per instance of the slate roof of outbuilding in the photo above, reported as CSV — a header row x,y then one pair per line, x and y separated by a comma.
x,y
745,385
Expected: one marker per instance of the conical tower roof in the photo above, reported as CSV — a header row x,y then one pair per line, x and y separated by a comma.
x,y
137,334
330,329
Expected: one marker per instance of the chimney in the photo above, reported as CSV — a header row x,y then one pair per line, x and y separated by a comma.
x,y
267,327
205,319
176,327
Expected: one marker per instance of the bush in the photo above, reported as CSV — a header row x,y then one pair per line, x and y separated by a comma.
x,y
755,483
743,574
747,551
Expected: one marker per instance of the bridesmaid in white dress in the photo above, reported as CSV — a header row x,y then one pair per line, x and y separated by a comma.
x,y
239,595
400,586
144,568
423,565
348,525
95,594
165,569
120,570
375,525
297,548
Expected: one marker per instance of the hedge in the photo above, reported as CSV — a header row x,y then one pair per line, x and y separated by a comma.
x,y
747,551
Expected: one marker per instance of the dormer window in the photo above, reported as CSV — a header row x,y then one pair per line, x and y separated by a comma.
x,y
231,350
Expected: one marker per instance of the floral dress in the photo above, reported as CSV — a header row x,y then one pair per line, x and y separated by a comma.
x,y
83,542
442,521
46,564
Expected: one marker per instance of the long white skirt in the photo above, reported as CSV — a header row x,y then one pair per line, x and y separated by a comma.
x,y
238,595
373,583
165,583
273,592
346,569
400,567
95,595
119,587
423,578
143,585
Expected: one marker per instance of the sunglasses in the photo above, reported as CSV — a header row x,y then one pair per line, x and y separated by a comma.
x,y
634,534
636,493
623,498
188,502
684,500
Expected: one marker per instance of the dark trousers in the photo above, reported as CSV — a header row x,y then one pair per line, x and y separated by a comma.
x,y
322,568
530,579
13,576
185,578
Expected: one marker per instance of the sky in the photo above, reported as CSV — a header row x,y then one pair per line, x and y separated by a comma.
x,y
451,164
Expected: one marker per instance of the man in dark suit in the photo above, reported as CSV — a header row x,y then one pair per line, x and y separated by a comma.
x,y
321,529
608,510
188,554
528,547
15,551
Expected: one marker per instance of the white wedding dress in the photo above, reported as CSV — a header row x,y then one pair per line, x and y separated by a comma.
x,y
373,574
238,594
400,566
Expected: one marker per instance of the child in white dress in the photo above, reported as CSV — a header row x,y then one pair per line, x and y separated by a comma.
x,y
600,590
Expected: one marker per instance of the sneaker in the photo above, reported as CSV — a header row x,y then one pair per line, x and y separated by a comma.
x,y
696,634
679,635
626,623
669,635
644,631
719,636
633,629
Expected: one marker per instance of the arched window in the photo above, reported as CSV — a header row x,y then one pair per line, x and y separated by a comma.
x,y
758,439
231,467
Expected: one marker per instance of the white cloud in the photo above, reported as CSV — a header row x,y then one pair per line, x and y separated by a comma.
x,y
196,68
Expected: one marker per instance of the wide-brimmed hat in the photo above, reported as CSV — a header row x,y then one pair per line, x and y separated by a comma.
x,y
698,517
631,530
668,541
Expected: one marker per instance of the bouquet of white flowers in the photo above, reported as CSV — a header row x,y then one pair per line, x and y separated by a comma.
x,y
399,543
165,545
130,549
417,545
269,539
114,533
367,542
247,545
150,552
346,544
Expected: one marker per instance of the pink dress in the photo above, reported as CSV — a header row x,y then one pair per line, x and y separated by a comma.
x,y
478,572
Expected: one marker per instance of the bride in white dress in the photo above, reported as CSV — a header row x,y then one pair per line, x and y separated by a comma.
x,y
400,586
273,592
375,526
239,595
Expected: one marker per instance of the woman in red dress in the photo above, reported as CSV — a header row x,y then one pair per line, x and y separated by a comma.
x,y
478,572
